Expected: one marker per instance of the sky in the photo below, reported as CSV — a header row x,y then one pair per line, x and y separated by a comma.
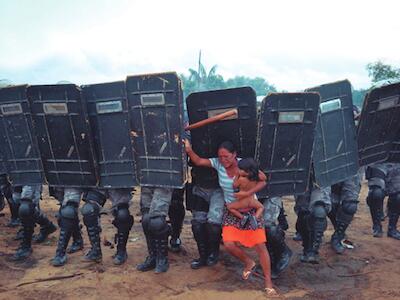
x,y
292,44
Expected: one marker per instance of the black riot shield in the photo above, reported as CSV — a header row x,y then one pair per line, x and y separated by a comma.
x,y
107,107
18,145
285,141
63,133
379,125
395,149
156,114
241,130
335,153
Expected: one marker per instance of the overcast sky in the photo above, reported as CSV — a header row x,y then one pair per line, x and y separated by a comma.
x,y
292,44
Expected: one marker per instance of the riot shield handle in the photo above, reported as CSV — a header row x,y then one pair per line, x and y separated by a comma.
x,y
216,118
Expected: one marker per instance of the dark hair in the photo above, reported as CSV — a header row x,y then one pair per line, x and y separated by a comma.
x,y
250,166
228,145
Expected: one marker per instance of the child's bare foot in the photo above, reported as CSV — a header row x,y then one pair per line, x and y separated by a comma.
x,y
248,269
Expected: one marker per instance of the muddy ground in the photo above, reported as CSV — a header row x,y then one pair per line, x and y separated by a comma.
x,y
370,271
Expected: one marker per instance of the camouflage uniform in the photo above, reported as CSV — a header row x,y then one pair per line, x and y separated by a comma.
x,y
312,209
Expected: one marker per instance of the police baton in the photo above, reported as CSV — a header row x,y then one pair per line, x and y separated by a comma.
x,y
216,118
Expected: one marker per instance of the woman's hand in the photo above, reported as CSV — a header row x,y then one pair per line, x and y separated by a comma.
x,y
188,146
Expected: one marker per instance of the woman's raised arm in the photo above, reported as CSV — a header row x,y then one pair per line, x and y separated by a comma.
x,y
196,160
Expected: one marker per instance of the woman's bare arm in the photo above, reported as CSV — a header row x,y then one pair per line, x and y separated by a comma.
x,y
196,160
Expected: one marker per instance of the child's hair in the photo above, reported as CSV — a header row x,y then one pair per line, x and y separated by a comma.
x,y
249,166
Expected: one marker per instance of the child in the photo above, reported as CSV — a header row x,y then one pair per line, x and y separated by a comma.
x,y
246,180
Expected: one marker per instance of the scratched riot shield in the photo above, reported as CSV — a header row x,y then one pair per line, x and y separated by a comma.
x,y
378,129
335,154
18,147
241,130
64,137
285,140
156,115
107,107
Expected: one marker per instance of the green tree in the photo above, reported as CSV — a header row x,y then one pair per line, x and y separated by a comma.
x,y
260,85
378,71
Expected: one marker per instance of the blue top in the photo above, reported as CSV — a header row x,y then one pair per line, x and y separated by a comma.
x,y
225,182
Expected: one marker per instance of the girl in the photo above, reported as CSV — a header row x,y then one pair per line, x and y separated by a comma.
x,y
246,180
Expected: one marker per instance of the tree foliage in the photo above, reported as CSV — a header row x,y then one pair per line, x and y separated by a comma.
x,y
378,71
202,80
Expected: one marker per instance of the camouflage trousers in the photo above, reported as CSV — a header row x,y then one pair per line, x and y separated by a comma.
x,y
32,192
389,178
272,208
317,195
155,201
215,200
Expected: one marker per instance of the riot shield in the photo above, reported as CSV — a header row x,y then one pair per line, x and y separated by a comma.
x,y
156,115
18,146
285,141
241,130
107,107
379,125
335,153
64,138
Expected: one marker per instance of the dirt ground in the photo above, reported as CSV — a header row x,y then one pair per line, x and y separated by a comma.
x,y
369,271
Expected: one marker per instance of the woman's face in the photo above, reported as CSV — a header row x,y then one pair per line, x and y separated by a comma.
x,y
226,158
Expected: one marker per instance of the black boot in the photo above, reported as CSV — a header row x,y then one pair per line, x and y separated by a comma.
x,y
376,214
46,227
150,261
61,257
14,221
214,232
200,235
392,226
317,225
281,252
302,229
77,241
161,247
26,214
338,237
25,248
68,222
176,215
94,254
124,222
91,219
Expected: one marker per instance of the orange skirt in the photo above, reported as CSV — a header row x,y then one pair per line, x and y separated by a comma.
x,y
248,238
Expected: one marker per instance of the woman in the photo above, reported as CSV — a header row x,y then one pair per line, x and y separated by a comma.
x,y
227,167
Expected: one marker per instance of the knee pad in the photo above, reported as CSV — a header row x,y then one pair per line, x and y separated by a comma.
x,y
375,196
317,219
349,207
69,211
319,211
158,226
26,209
394,203
94,196
123,219
90,212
